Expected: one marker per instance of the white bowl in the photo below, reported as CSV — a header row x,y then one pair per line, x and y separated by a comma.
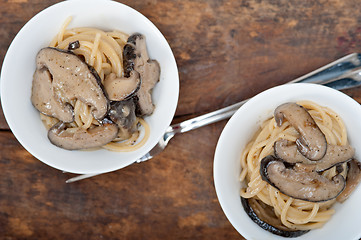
x,y
345,223
19,65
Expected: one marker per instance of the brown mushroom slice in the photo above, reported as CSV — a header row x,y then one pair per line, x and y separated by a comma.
x,y
71,78
299,184
352,180
136,58
79,138
43,99
119,89
264,216
312,142
335,154
123,114
74,45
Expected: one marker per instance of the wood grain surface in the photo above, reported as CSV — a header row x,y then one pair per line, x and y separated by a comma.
x,y
226,51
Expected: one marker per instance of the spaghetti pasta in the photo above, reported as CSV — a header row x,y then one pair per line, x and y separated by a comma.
x,y
102,50
295,214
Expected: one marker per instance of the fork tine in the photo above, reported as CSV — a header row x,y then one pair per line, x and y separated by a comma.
x,y
81,177
154,151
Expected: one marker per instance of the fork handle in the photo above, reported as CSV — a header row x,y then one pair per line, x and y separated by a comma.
x,y
337,71
334,72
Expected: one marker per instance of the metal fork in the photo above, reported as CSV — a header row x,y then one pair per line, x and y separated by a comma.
x,y
341,74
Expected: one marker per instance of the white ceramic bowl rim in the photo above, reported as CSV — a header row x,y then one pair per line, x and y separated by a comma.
x,y
344,224
19,65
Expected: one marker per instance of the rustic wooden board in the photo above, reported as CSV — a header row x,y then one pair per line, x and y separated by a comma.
x,y
226,51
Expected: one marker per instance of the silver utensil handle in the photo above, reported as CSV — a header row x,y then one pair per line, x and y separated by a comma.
x,y
340,74
207,118
339,71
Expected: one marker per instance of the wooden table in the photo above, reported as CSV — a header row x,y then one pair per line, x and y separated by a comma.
x,y
226,51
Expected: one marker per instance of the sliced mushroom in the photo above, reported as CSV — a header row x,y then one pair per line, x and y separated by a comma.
x,y
123,114
265,217
300,184
352,180
136,58
79,138
70,78
43,98
312,142
74,45
119,89
335,155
